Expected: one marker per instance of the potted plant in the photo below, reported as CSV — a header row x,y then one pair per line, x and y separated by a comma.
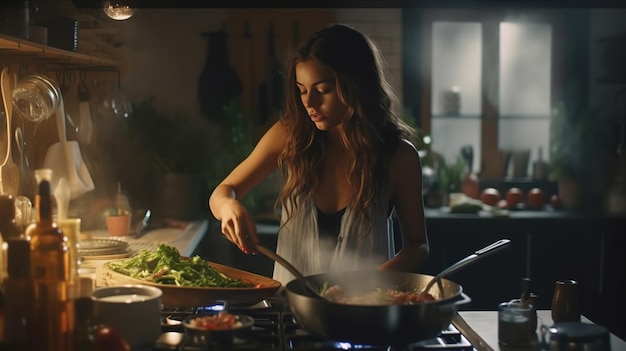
x,y
583,146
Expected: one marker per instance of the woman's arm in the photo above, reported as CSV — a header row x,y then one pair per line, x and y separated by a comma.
x,y
237,223
406,180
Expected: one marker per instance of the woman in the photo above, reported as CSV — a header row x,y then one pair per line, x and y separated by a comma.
x,y
346,163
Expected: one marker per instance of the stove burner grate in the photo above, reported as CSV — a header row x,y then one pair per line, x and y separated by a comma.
x,y
275,329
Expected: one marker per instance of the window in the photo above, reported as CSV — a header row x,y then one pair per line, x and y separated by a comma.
x,y
485,79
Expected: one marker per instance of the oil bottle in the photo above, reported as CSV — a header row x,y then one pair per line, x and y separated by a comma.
x,y
53,309
19,296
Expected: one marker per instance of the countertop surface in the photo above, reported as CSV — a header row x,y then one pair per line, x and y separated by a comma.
x,y
485,324
185,238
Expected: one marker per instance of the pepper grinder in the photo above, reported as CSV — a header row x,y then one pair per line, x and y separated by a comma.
x,y
528,298
566,302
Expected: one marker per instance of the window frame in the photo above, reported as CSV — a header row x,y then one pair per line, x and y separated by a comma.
x,y
417,45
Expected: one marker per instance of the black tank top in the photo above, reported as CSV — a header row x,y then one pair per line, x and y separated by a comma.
x,y
329,225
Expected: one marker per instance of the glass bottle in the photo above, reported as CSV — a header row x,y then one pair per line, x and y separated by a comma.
x,y
8,229
19,295
50,270
566,302
84,333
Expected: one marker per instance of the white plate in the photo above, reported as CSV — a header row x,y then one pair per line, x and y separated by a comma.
x,y
102,247
107,257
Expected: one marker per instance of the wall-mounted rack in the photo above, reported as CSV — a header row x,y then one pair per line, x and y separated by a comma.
x,y
22,49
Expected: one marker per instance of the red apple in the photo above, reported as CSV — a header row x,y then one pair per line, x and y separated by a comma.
x,y
490,196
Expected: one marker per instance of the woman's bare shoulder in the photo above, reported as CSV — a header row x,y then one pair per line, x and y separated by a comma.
x,y
405,152
275,136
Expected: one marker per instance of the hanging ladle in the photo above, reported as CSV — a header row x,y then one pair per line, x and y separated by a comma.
x,y
293,270
462,263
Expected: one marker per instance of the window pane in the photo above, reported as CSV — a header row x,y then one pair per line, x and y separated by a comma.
x,y
525,85
456,62
450,134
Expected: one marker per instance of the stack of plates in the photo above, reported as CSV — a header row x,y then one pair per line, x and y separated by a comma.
x,y
102,249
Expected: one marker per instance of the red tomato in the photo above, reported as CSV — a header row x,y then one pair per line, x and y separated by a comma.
x,y
536,198
555,201
490,196
108,339
514,196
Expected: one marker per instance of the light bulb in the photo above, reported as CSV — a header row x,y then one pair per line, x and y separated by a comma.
x,y
118,9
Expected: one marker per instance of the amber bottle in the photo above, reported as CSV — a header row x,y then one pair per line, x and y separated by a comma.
x,y
19,296
8,228
50,271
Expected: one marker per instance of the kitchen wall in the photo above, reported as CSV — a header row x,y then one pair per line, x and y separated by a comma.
x,y
165,52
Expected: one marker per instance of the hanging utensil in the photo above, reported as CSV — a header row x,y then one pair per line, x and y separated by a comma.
x,y
466,261
27,184
85,124
9,174
65,160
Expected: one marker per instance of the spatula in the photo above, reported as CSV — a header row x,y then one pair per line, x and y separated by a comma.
x,y
308,284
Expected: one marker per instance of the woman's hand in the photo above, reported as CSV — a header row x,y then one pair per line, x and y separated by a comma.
x,y
238,226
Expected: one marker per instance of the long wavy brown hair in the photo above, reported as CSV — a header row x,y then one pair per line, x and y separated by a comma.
x,y
372,132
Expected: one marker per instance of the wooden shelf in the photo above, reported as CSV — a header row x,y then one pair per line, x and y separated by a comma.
x,y
12,46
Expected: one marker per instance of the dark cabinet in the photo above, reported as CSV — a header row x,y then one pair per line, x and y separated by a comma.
x,y
546,247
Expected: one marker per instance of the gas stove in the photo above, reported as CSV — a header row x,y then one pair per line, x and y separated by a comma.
x,y
275,329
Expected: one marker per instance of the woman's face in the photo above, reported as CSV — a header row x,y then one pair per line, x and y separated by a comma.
x,y
318,92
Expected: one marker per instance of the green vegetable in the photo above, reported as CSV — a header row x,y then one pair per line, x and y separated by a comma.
x,y
467,206
166,266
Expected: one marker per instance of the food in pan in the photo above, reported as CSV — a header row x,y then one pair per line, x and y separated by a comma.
x,y
378,297
165,265
220,321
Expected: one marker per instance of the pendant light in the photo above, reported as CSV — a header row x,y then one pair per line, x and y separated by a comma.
x,y
118,9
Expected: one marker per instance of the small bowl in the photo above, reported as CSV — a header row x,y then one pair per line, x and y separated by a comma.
x,y
223,337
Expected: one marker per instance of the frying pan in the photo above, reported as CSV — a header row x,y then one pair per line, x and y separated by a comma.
x,y
376,324
381,324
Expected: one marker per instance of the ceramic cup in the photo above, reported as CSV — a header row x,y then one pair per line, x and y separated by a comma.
x,y
132,310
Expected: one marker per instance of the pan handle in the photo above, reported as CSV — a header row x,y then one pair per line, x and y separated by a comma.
x,y
463,299
467,260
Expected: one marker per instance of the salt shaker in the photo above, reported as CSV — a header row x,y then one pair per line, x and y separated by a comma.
x,y
566,302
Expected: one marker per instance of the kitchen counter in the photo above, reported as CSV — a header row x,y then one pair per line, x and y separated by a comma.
x,y
545,214
485,324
